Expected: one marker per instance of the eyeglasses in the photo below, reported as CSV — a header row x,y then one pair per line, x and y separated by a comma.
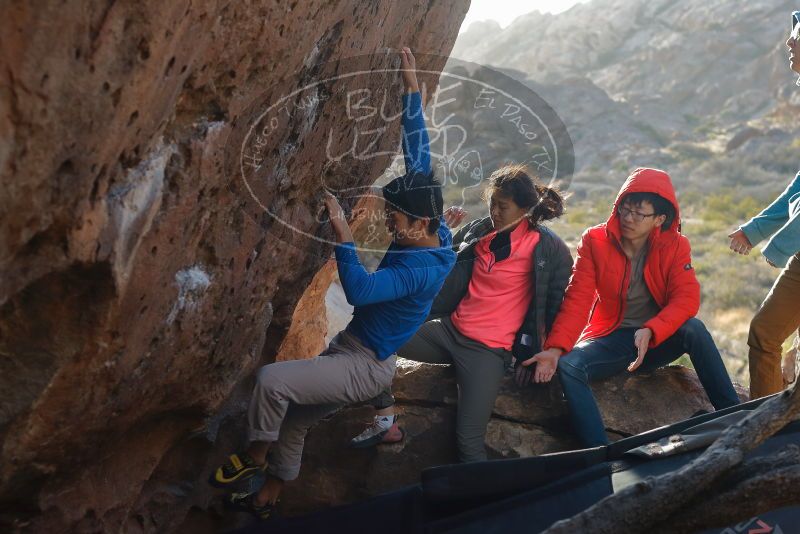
x,y
635,215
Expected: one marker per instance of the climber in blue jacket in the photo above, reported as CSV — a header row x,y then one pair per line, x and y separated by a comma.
x,y
390,305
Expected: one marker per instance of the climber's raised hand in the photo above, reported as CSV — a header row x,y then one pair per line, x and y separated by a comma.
x,y
408,66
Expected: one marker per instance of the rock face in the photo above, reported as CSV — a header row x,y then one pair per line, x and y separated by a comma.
x,y
525,422
137,292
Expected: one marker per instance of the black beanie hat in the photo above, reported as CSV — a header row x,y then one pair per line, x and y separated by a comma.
x,y
416,194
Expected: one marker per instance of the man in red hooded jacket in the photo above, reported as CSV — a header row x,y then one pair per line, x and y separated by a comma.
x,y
631,302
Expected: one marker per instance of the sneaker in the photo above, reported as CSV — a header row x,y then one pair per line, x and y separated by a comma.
x,y
245,502
239,467
375,434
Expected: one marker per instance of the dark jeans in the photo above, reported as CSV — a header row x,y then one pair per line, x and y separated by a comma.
x,y
610,355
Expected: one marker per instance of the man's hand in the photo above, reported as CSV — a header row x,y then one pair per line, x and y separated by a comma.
x,y
641,339
338,219
739,242
454,215
408,65
546,363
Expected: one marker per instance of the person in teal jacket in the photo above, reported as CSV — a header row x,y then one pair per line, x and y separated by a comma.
x,y
779,225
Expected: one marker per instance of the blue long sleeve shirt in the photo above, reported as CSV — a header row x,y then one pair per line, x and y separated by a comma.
x,y
393,302
780,223
416,144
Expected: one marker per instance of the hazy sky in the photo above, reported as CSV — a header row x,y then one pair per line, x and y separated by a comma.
x,y
505,11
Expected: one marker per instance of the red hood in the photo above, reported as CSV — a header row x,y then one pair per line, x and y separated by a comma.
x,y
646,180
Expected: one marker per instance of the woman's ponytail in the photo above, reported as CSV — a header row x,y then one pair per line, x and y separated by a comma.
x,y
550,205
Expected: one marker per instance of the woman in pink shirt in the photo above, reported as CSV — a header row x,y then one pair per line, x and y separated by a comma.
x,y
497,304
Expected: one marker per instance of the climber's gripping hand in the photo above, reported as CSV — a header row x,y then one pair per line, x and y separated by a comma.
x,y
338,219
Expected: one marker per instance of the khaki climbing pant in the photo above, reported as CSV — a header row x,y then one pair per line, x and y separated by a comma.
x,y
291,396
773,323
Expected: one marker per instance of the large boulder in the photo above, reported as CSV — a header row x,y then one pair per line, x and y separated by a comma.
x,y
138,290
526,422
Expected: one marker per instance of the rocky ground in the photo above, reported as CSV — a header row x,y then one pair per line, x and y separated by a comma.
x,y
525,422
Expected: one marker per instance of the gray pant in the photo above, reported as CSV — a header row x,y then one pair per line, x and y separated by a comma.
x,y
479,370
291,396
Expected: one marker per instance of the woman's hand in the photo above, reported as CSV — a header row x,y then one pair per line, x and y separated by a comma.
x,y
739,242
408,66
454,216
546,364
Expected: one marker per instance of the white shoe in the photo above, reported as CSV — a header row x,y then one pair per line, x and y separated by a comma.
x,y
383,429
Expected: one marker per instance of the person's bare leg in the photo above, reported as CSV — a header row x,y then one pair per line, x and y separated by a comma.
x,y
258,451
270,491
